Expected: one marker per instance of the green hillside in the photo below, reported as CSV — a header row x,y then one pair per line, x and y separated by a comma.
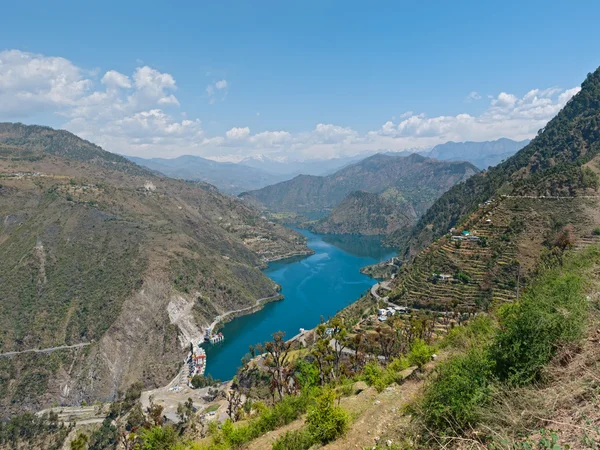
x,y
368,214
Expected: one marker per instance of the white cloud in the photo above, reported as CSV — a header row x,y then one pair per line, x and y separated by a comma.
x,y
30,83
238,133
212,90
139,114
114,79
472,96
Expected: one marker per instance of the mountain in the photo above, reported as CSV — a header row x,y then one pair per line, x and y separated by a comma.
x,y
230,178
98,251
412,182
554,163
481,154
367,213
292,168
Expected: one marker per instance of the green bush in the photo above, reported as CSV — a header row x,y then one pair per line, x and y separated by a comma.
x,y
596,231
159,438
460,386
477,331
294,440
550,314
420,353
325,421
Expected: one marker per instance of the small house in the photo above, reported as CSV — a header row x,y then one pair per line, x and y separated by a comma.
x,y
382,311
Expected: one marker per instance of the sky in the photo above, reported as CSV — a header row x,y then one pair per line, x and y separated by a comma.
x,y
292,79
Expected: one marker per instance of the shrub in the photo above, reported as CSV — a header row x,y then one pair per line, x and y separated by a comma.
x,y
461,385
550,314
478,330
596,231
294,440
326,422
159,438
420,353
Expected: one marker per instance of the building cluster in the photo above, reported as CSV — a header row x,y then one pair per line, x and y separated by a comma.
x,y
196,361
213,338
384,313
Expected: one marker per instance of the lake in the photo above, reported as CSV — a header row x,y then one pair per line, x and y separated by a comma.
x,y
314,286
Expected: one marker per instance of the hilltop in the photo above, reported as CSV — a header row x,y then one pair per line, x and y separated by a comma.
x,y
411,182
96,250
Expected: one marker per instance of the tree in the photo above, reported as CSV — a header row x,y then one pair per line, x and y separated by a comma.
x,y
323,354
185,411
234,402
276,362
156,413
80,442
326,422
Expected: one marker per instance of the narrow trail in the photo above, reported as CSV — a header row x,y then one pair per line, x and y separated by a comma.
x,y
46,350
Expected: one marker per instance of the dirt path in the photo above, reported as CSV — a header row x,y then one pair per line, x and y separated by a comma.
x,y
46,350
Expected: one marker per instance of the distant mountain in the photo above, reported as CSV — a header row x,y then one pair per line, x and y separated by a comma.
x,y
481,154
413,181
230,178
292,168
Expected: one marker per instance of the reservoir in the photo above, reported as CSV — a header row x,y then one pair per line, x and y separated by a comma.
x,y
316,286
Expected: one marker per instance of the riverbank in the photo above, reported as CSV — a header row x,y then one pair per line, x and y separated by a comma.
x,y
314,287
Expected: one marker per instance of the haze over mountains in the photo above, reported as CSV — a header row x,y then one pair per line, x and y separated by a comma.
x,y
258,172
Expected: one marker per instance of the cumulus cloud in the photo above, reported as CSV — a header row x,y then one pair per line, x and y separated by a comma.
x,y
237,134
114,79
139,114
31,83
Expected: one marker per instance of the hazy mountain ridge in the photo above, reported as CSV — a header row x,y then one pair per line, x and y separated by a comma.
x,y
412,182
231,178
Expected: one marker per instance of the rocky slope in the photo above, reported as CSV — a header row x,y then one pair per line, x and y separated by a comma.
x,y
95,249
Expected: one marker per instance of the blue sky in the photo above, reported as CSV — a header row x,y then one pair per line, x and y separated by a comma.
x,y
292,79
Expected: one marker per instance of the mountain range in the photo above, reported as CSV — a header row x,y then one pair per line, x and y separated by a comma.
x,y
257,172
410,184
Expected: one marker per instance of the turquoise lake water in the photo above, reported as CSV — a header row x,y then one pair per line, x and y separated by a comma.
x,y
319,285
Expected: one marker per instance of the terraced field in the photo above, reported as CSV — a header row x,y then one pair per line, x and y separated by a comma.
x,y
487,272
